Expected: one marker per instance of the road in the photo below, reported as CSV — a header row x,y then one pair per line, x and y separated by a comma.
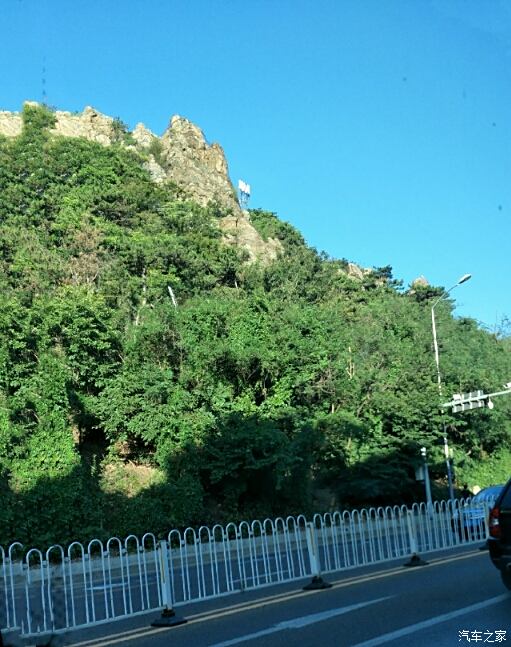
x,y
458,591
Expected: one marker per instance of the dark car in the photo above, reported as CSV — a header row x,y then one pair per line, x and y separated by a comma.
x,y
499,542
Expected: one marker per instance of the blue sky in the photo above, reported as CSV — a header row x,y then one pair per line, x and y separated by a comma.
x,y
380,129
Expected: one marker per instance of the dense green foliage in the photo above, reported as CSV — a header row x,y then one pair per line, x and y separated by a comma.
x,y
266,385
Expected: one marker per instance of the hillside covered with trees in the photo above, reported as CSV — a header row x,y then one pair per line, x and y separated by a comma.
x,y
267,388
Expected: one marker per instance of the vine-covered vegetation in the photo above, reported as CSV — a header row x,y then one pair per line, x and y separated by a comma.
x,y
270,388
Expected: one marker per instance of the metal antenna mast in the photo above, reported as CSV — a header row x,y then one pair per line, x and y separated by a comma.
x,y
44,95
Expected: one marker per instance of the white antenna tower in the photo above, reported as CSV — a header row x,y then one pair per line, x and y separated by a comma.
x,y
244,191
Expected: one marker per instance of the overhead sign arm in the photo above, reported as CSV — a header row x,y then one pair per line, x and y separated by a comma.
x,y
474,400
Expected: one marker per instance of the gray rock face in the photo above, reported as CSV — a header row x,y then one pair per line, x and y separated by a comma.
x,y
90,124
200,169
420,281
143,136
182,156
238,231
355,271
197,167
10,124
155,170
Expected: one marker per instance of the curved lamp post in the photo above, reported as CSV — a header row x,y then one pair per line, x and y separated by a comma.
x,y
443,296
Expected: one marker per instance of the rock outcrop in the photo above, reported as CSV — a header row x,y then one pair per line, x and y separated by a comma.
x,y
89,124
143,136
10,124
181,155
238,231
420,282
355,271
197,167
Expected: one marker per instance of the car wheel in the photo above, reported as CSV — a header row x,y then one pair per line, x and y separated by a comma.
x,y
506,579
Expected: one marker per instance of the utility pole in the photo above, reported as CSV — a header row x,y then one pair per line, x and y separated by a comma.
x,y
443,296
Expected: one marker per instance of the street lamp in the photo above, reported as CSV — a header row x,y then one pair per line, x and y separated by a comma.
x,y
443,296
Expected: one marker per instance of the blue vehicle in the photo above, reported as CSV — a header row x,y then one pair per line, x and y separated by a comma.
x,y
469,521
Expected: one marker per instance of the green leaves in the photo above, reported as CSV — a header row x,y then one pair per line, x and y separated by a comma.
x,y
259,384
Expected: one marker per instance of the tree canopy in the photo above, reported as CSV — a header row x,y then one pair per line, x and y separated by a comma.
x,y
268,383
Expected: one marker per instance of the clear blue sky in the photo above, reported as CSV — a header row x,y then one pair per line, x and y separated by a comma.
x,y
381,129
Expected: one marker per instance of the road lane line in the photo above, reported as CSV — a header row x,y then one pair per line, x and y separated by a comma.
x,y
301,621
141,632
431,622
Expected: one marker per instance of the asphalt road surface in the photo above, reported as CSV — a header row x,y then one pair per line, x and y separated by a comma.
x,y
456,599
105,594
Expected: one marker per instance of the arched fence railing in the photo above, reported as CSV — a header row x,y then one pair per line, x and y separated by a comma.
x,y
88,584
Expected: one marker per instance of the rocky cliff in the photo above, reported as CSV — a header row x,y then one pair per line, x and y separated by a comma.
x,y
181,155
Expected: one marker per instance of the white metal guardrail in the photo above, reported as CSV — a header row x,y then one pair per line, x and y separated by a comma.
x,y
94,583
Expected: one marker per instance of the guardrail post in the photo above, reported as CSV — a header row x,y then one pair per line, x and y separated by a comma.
x,y
415,559
168,616
317,583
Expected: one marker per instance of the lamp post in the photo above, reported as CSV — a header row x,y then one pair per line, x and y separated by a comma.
x,y
443,296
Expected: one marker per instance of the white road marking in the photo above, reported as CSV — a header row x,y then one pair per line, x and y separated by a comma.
x,y
139,633
411,629
302,621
